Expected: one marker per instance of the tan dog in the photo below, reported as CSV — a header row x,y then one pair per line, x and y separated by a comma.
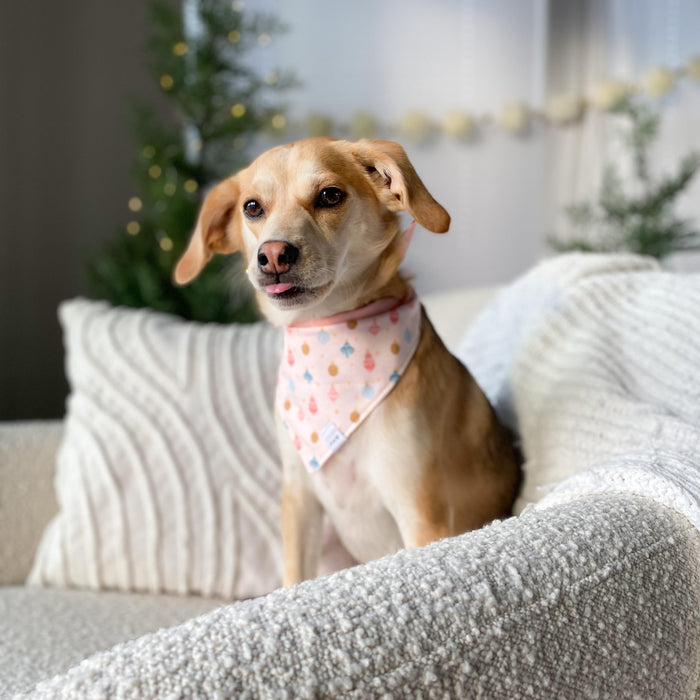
x,y
317,223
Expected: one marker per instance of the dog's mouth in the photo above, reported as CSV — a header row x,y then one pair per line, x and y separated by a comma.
x,y
287,294
284,291
281,289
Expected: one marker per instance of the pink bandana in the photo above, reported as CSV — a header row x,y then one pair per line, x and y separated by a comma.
x,y
334,372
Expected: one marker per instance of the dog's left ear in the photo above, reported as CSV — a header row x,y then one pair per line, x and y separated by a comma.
x,y
212,234
398,184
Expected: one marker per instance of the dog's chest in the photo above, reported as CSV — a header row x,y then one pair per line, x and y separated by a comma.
x,y
355,503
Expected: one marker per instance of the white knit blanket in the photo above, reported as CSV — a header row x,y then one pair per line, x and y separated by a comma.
x,y
596,361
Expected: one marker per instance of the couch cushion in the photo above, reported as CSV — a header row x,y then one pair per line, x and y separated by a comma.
x,y
46,631
27,499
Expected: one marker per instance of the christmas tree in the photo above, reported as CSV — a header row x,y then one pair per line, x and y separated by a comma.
x,y
220,103
643,221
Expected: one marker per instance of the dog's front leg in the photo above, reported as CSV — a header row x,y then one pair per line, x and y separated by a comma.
x,y
302,517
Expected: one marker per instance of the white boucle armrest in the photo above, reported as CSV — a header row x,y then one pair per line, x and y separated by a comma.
x,y
598,599
27,502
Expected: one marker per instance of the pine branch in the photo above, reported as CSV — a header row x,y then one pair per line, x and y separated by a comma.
x,y
643,223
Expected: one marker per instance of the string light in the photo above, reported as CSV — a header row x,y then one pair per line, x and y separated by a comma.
x,y
238,5
166,244
166,81
169,189
234,36
155,171
135,204
272,78
180,49
148,152
279,121
133,228
264,39
191,186
238,110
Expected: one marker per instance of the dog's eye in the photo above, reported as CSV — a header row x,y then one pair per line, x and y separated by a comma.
x,y
330,197
253,209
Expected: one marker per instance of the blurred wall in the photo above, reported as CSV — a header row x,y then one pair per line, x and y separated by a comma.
x,y
65,152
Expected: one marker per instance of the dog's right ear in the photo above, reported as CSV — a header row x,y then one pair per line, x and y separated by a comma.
x,y
397,183
213,233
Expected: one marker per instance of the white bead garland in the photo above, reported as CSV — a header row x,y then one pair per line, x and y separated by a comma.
x,y
658,81
514,117
609,94
458,124
564,108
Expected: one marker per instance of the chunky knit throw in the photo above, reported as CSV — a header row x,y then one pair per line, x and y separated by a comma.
x,y
592,593
595,361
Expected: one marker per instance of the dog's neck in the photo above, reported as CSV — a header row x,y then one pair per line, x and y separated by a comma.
x,y
382,305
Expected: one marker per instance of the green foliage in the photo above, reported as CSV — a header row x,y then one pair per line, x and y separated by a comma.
x,y
203,76
643,222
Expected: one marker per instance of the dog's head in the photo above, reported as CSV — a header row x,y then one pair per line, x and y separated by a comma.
x,y
317,223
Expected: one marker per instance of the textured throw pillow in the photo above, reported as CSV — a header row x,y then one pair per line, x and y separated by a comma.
x,y
168,477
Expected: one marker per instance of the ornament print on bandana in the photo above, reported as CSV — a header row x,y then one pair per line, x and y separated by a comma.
x,y
333,374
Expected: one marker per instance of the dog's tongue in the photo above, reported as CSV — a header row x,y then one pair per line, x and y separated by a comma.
x,y
278,288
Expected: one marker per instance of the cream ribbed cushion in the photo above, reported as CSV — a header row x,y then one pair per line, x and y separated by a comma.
x,y
168,477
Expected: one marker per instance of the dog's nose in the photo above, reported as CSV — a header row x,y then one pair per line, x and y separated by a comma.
x,y
276,257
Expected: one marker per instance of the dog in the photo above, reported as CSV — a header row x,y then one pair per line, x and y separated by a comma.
x,y
377,423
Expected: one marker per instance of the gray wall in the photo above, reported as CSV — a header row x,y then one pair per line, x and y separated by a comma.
x,y
66,70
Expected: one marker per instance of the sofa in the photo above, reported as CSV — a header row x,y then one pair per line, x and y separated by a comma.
x,y
590,590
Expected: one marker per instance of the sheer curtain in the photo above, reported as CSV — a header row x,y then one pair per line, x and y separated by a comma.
x,y
595,40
